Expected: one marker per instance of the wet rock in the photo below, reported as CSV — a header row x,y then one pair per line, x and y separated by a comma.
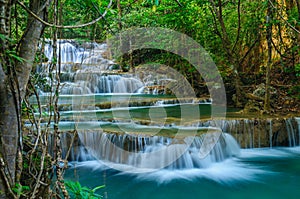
x,y
261,90
256,99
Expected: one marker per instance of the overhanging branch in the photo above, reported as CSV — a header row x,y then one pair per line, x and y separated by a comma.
x,y
61,26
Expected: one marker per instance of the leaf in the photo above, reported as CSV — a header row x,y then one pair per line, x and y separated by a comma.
x,y
77,190
154,8
26,188
14,55
98,187
86,189
5,37
45,114
112,11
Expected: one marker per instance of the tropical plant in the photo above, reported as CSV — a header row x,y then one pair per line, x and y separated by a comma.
x,y
77,191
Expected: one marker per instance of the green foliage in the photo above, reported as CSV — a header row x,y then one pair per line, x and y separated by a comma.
x,y
32,162
4,37
77,191
40,82
20,190
297,69
13,55
294,91
75,12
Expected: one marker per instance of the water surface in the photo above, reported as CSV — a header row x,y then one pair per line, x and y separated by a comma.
x,y
255,174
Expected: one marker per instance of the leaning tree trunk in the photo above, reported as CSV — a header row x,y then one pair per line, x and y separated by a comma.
x,y
8,116
29,44
13,82
8,135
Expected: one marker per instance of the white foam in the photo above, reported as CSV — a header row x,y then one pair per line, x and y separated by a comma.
x,y
227,172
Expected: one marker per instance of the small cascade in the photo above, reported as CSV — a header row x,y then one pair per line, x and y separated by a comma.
x,y
270,132
155,152
84,70
112,84
183,101
159,103
298,122
256,133
75,152
291,132
69,51
97,83
78,88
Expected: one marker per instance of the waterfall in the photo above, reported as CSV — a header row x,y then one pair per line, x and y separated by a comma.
x,y
298,122
85,70
253,133
270,132
291,132
155,152
78,88
98,83
69,51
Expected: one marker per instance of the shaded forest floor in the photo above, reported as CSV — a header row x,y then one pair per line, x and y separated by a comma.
x,y
285,92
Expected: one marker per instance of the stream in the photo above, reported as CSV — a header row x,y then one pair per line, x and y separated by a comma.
x,y
143,142
255,174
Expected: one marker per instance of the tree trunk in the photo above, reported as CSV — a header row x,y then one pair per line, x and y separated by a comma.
x,y
9,95
268,68
119,14
29,44
8,134
8,116
233,59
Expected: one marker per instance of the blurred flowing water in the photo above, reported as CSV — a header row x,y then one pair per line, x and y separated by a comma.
x,y
144,143
256,173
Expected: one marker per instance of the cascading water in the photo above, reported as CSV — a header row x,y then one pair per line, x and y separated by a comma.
x,y
88,71
157,152
298,122
99,83
256,133
119,129
270,132
128,131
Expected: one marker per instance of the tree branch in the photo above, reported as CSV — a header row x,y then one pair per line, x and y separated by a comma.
x,y
249,50
177,1
61,26
290,25
46,4
239,26
212,10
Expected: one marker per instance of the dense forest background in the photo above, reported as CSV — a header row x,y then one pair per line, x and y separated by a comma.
x,y
254,43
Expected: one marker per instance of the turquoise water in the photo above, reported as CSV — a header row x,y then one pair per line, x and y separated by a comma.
x,y
153,113
103,98
172,113
255,174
